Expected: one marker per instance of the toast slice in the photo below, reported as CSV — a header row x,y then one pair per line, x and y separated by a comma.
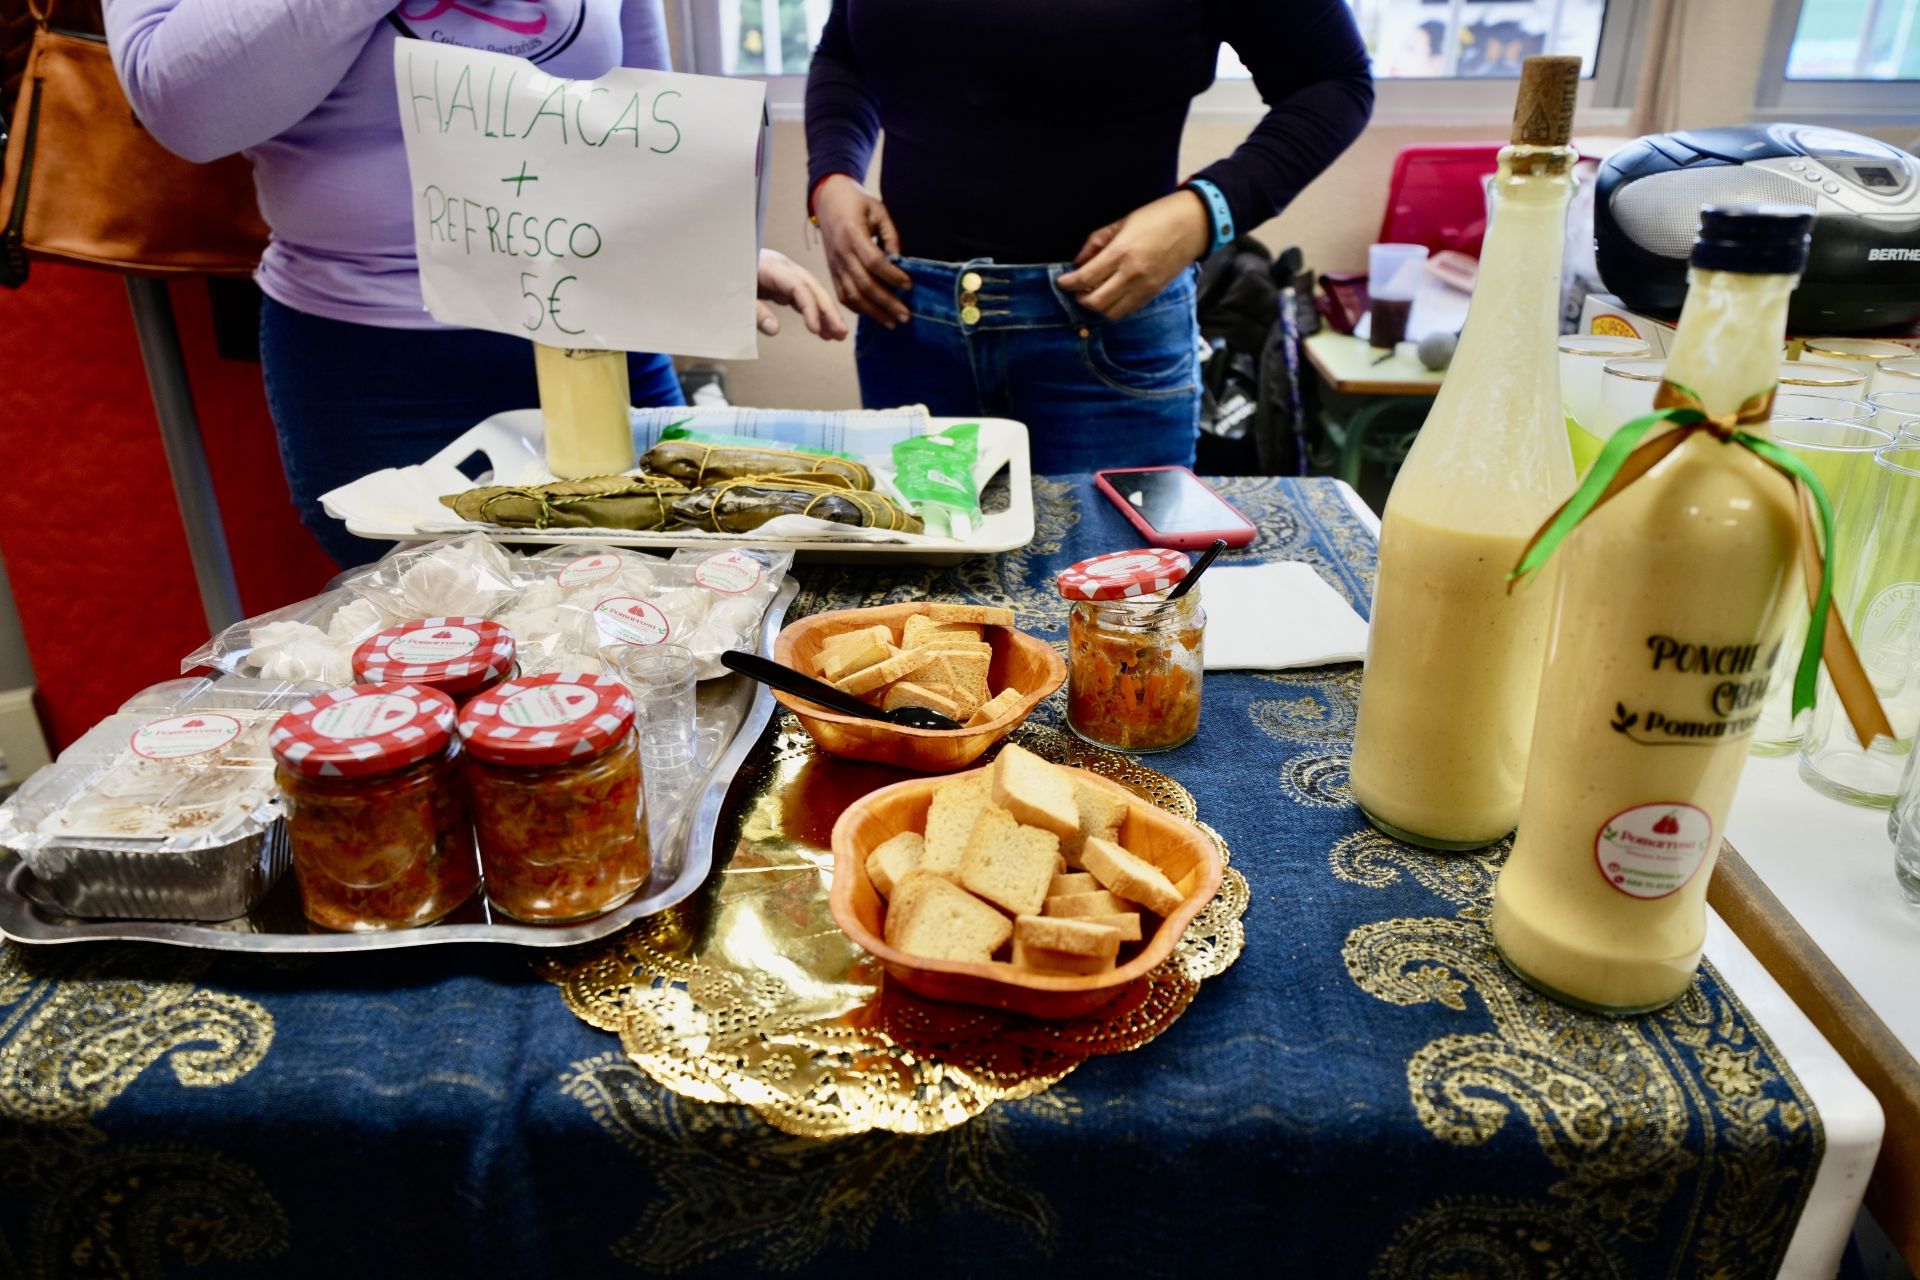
x,y
1101,814
956,807
840,662
1078,937
985,615
919,629
893,859
1035,792
1041,960
1127,922
964,671
878,633
1130,876
898,667
930,916
1000,704
1073,882
907,693
1009,864
1097,903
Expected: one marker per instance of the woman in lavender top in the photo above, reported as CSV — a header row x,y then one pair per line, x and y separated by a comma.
x,y
358,375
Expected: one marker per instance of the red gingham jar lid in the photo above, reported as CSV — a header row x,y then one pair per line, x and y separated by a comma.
x,y
1120,575
449,654
547,719
363,729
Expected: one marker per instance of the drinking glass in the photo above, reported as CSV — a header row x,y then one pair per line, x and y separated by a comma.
x,y
661,677
1863,354
1812,378
1898,412
1884,619
1897,375
1583,359
1626,392
1841,454
1795,404
1903,828
1393,279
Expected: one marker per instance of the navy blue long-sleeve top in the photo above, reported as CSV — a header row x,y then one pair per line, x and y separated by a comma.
x,y
1016,127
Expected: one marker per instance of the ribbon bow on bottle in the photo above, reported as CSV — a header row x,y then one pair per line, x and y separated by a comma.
x,y
1625,460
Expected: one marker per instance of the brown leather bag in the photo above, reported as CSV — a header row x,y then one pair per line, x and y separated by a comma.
x,y
84,182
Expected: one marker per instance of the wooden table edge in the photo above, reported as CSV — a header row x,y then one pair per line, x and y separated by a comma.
x,y
1850,1025
1365,386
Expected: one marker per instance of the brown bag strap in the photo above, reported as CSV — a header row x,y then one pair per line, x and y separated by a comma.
x,y
42,11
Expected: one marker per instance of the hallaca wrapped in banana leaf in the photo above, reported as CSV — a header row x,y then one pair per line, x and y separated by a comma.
x,y
650,503
697,463
599,502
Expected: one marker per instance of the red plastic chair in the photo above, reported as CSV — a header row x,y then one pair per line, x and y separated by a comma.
x,y
1436,199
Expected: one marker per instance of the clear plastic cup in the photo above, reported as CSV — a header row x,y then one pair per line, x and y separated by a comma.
x,y
1795,404
1884,620
1627,388
1816,378
662,678
1898,412
1903,828
1583,359
1842,455
1393,280
1864,354
1897,375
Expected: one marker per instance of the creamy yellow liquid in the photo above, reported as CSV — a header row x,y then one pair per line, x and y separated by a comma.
x,y
1669,612
1452,672
584,397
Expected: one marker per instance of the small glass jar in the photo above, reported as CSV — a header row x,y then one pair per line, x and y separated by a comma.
x,y
461,657
376,813
1134,658
554,773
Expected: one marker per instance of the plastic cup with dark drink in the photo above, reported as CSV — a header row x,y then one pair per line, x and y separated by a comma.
x,y
1394,272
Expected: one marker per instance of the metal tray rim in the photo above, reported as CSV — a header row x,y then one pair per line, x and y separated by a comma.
x,y
19,923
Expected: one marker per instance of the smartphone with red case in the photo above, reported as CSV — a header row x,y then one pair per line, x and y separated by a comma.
x,y
1172,507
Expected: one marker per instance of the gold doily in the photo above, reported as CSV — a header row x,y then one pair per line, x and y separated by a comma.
x,y
750,993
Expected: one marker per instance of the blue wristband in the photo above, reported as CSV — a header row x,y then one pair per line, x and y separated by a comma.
x,y
1217,210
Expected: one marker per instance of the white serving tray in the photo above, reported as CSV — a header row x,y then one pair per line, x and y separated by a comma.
x,y
403,503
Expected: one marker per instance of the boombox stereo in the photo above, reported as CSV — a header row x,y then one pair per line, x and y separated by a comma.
x,y
1864,270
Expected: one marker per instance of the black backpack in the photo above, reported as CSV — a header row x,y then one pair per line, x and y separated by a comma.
x,y
1252,419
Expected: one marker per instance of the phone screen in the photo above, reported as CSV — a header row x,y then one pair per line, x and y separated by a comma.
x,y
1173,501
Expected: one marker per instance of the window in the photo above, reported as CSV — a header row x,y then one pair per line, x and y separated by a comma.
x,y
1854,59
1440,61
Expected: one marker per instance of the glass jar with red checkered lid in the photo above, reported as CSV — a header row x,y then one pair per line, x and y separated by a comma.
x,y
1135,659
376,813
554,772
461,657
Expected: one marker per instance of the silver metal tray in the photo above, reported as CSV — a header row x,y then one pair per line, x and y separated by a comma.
x,y
277,925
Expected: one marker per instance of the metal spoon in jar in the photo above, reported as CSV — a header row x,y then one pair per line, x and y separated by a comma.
x,y
787,680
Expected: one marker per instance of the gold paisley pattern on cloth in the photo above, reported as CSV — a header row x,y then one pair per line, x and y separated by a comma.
x,y
752,995
1624,1109
736,1187
76,1029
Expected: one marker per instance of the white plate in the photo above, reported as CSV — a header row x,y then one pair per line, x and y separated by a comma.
x,y
403,503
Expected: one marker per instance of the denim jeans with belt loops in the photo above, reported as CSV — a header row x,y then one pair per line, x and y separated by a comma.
x,y
988,340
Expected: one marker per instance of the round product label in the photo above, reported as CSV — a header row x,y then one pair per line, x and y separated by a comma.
x,y
548,705
440,644
367,716
624,620
1886,628
588,570
177,737
728,571
1652,850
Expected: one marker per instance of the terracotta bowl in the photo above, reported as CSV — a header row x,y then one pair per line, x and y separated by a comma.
x,y
1019,661
1178,848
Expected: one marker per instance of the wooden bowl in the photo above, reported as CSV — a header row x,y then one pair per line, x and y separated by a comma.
x,y
1178,848
1019,661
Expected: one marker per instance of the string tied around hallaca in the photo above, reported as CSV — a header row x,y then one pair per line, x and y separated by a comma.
x,y
1628,455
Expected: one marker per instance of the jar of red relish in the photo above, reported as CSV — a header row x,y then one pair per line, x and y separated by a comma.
x,y
1135,660
461,657
553,770
376,813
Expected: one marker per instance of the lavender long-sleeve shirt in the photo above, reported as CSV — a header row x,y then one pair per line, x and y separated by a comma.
x,y
305,89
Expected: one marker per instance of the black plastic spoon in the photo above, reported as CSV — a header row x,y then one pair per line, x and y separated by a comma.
x,y
1186,584
787,680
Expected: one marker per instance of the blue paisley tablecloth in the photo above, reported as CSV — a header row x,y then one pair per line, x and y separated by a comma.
x,y
1366,1093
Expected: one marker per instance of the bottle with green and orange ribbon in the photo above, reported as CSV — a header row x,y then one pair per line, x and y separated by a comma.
x,y
1677,556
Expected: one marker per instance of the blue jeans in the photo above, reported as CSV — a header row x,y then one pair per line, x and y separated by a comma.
x,y
347,399
1093,392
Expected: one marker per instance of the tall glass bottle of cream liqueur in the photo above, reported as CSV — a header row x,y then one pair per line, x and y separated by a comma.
x,y
1453,662
1672,598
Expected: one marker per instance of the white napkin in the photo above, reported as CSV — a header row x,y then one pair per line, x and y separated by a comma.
x,y
1268,617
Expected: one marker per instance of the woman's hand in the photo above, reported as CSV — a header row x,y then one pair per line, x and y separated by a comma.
x,y
1126,264
851,220
785,281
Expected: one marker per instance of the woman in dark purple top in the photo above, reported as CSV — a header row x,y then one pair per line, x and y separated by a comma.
x,y
1031,252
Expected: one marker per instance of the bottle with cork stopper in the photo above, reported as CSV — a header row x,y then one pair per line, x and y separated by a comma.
x,y
1453,661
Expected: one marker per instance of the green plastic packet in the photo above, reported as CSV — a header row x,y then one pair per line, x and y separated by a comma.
x,y
721,440
935,475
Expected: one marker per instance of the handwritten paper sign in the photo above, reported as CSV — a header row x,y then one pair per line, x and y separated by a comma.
x,y
619,213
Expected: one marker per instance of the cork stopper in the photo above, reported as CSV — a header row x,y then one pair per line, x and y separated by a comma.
x,y
1543,113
